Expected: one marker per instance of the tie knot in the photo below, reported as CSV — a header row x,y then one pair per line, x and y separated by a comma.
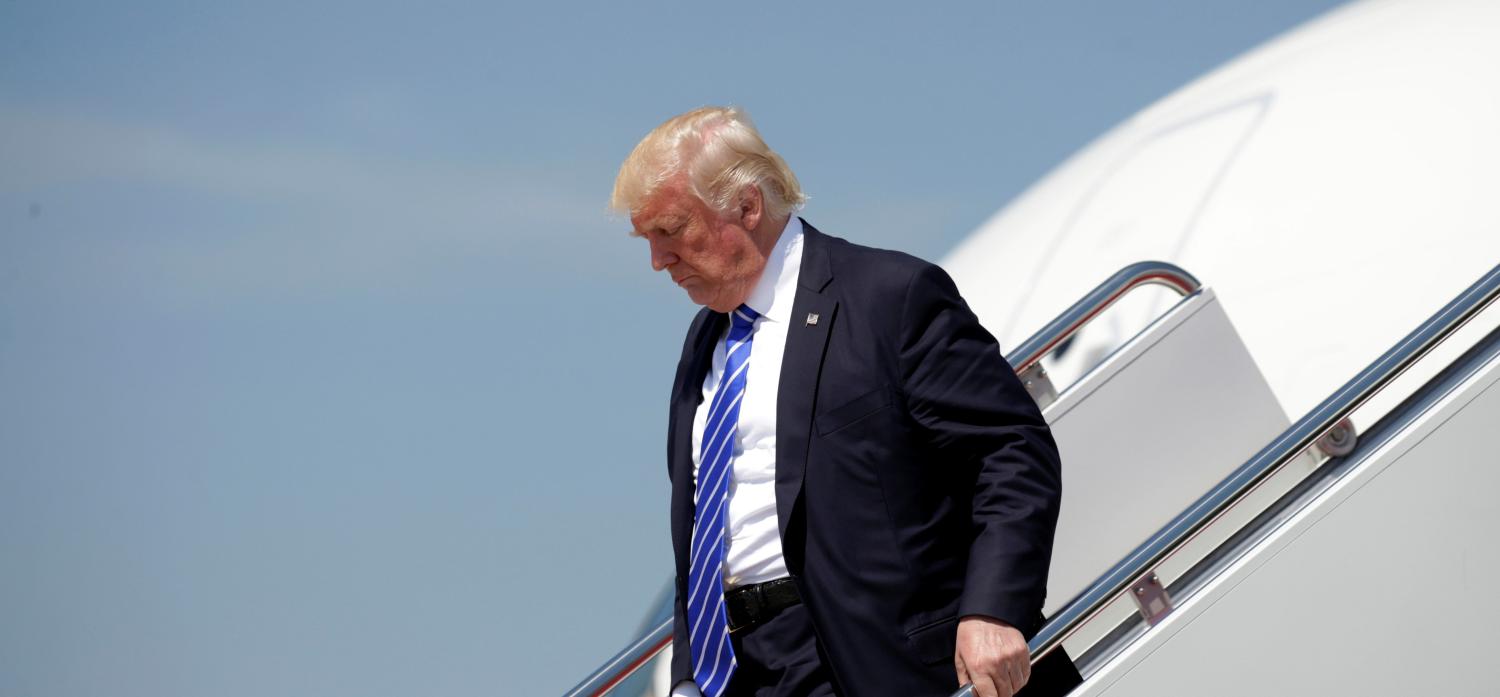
x,y
743,317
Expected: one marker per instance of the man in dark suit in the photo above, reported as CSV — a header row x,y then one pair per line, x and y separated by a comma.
x,y
863,494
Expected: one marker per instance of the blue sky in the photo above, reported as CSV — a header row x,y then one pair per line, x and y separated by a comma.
x,y
323,369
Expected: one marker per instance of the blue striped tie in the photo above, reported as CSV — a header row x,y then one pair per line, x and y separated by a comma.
x,y
708,625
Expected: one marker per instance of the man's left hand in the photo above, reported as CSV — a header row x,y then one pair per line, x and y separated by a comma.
x,y
992,655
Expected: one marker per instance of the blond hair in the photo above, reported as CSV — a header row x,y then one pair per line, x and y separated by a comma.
x,y
718,152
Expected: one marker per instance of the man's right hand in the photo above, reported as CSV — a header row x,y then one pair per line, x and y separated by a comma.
x,y
992,655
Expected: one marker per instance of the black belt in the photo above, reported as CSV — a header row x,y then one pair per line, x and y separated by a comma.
x,y
757,603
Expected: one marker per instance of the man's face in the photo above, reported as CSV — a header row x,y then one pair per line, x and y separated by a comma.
x,y
711,256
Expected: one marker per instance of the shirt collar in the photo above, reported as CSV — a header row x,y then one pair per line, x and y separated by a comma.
x,y
773,294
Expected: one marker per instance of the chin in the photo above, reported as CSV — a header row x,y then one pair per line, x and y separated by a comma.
x,y
719,306
701,298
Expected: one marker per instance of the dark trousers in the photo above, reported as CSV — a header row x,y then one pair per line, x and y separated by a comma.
x,y
780,659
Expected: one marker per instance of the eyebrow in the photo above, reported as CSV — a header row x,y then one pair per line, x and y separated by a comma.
x,y
665,221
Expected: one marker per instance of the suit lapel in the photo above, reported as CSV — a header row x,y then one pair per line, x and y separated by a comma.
x,y
813,315
689,393
685,399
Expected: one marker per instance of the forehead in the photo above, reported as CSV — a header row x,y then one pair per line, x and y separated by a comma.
x,y
665,205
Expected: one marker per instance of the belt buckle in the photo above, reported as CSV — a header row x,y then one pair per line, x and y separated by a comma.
x,y
754,604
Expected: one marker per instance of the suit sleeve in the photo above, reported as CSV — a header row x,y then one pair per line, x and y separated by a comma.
x,y
977,415
682,658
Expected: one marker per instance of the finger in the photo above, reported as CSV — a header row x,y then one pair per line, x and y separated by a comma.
x,y
962,670
1025,669
1013,670
1016,680
985,687
1003,685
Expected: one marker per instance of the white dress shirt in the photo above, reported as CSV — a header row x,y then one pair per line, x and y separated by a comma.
x,y
753,552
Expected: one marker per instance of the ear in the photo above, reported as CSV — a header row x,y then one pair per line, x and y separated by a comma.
x,y
751,206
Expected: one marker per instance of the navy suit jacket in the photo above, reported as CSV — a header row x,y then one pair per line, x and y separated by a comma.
x,y
916,481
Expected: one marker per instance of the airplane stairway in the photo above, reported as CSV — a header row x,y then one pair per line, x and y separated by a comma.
x,y
1246,587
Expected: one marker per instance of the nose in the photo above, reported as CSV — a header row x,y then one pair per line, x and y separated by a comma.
x,y
661,256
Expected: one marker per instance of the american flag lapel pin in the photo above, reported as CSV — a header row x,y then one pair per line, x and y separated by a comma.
x,y
812,319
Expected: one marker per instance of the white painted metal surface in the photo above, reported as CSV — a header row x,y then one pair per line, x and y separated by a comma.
x,y
1379,586
1148,431
1336,186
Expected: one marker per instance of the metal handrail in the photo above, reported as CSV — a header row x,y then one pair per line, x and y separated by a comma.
x,y
1266,463
1097,301
625,663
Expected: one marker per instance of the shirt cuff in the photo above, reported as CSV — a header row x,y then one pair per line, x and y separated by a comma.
x,y
686,688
